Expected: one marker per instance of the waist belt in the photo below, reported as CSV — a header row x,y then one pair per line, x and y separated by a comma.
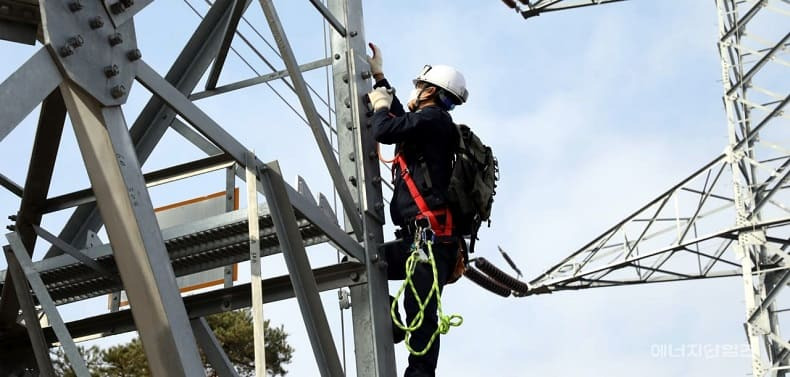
x,y
444,229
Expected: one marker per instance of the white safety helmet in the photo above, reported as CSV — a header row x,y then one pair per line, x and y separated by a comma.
x,y
447,78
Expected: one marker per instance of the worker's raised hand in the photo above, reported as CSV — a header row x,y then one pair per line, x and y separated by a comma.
x,y
376,61
380,98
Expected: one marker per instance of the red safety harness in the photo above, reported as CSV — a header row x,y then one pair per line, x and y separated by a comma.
x,y
439,229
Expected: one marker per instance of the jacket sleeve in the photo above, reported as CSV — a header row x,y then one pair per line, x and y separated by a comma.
x,y
392,129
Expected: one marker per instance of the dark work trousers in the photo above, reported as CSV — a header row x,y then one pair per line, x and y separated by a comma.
x,y
445,255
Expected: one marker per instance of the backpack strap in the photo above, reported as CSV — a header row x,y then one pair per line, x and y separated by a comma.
x,y
440,230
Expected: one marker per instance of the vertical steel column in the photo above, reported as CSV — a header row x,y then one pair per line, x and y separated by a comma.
x,y
255,265
375,355
762,325
139,249
230,206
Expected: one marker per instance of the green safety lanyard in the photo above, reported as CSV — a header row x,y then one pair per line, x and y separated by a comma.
x,y
445,322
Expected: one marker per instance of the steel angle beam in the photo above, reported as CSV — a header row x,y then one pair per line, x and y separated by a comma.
x,y
302,279
32,323
257,80
329,17
150,126
22,257
230,30
37,183
211,347
139,249
154,178
26,88
11,186
194,137
300,87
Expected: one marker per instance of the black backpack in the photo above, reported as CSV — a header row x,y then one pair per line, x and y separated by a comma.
x,y
472,184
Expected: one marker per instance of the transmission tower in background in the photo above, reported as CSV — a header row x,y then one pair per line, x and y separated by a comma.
x,y
732,216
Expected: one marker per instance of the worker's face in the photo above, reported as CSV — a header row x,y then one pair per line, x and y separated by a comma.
x,y
419,94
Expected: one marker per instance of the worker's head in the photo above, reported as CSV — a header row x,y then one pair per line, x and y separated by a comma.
x,y
439,85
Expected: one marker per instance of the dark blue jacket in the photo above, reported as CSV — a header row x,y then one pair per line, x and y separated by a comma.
x,y
426,139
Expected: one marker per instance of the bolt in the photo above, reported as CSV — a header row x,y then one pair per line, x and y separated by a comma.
x,y
371,236
11,228
134,54
345,78
66,51
353,34
115,39
127,3
337,56
351,156
354,276
76,41
372,155
111,70
118,91
379,206
347,103
96,22
12,217
366,75
75,6
349,126
353,181
117,8
377,179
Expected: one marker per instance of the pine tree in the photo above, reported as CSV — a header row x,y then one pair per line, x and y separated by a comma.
x,y
232,329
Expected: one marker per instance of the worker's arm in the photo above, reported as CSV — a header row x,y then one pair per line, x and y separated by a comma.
x,y
392,129
376,69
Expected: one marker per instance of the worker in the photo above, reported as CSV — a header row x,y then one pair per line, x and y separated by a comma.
x,y
425,139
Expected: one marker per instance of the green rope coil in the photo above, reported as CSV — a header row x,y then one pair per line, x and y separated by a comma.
x,y
445,321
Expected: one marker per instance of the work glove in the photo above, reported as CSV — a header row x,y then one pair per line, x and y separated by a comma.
x,y
380,98
376,61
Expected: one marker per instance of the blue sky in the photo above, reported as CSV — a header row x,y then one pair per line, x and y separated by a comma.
x,y
591,112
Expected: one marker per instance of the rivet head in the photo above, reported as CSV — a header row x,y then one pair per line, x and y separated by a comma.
x,y
134,54
115,39
66,51
366,75
354,34
75,6
111,70
127,3
118,91
96,22
337,56
76,41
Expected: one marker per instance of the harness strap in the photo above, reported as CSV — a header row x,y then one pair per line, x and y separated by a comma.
x,y
440,230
